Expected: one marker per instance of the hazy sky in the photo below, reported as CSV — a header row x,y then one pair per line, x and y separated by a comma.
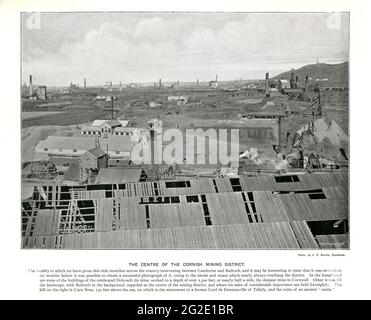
x,y
142,47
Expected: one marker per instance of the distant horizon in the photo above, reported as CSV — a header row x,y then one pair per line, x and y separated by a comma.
x,y
144,47
167,82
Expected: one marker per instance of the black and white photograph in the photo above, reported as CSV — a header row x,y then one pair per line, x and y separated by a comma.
x,y
185,130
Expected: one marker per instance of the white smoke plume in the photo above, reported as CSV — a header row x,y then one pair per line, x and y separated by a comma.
x,y
252,155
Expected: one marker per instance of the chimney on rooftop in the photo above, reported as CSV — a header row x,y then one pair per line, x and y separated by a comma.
x,y
84,83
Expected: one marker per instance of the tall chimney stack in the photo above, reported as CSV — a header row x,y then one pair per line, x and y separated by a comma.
x,y
84,83
197,81
112,107
153,143
159,83
267,84
319,110
30,85
292,81
216,78
306,84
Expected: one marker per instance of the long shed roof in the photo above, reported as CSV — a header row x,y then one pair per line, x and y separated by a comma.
x,y
243,212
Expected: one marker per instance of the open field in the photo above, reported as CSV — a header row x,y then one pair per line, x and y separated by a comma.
x,y
37,114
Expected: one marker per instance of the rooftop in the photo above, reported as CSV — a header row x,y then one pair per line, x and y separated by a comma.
x,y
270,212
97,152
119,175
125,129
117,143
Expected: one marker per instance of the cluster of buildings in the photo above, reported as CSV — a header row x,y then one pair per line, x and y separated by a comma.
x,y
104,128
214,84
35,91
85,155
284,86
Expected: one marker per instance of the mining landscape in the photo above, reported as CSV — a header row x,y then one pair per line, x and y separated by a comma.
x,y
286,188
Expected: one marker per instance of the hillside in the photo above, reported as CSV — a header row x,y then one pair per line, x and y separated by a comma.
x,y
337,74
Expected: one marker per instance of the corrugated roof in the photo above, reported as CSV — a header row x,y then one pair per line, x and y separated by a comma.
x,y
113,122
333,241
64,161
118,175
47,222
97,152
98,123
119,162
68,143
91,128
277,235
124,123
118,143
125,129
27,190
201,213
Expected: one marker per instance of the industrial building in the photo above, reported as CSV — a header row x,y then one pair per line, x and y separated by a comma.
x,y
41,93
179,100
101,127
214,84
114,146
94,159
126,131
303,211
283,84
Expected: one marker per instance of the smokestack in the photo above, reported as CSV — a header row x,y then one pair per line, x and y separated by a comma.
x,y
216,78
267,84
292,81
319,110
30,85
306,84
159,83
152,138
197,81
279,133
112,107
84,83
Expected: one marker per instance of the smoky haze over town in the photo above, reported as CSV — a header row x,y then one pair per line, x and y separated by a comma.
x,y
240,121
